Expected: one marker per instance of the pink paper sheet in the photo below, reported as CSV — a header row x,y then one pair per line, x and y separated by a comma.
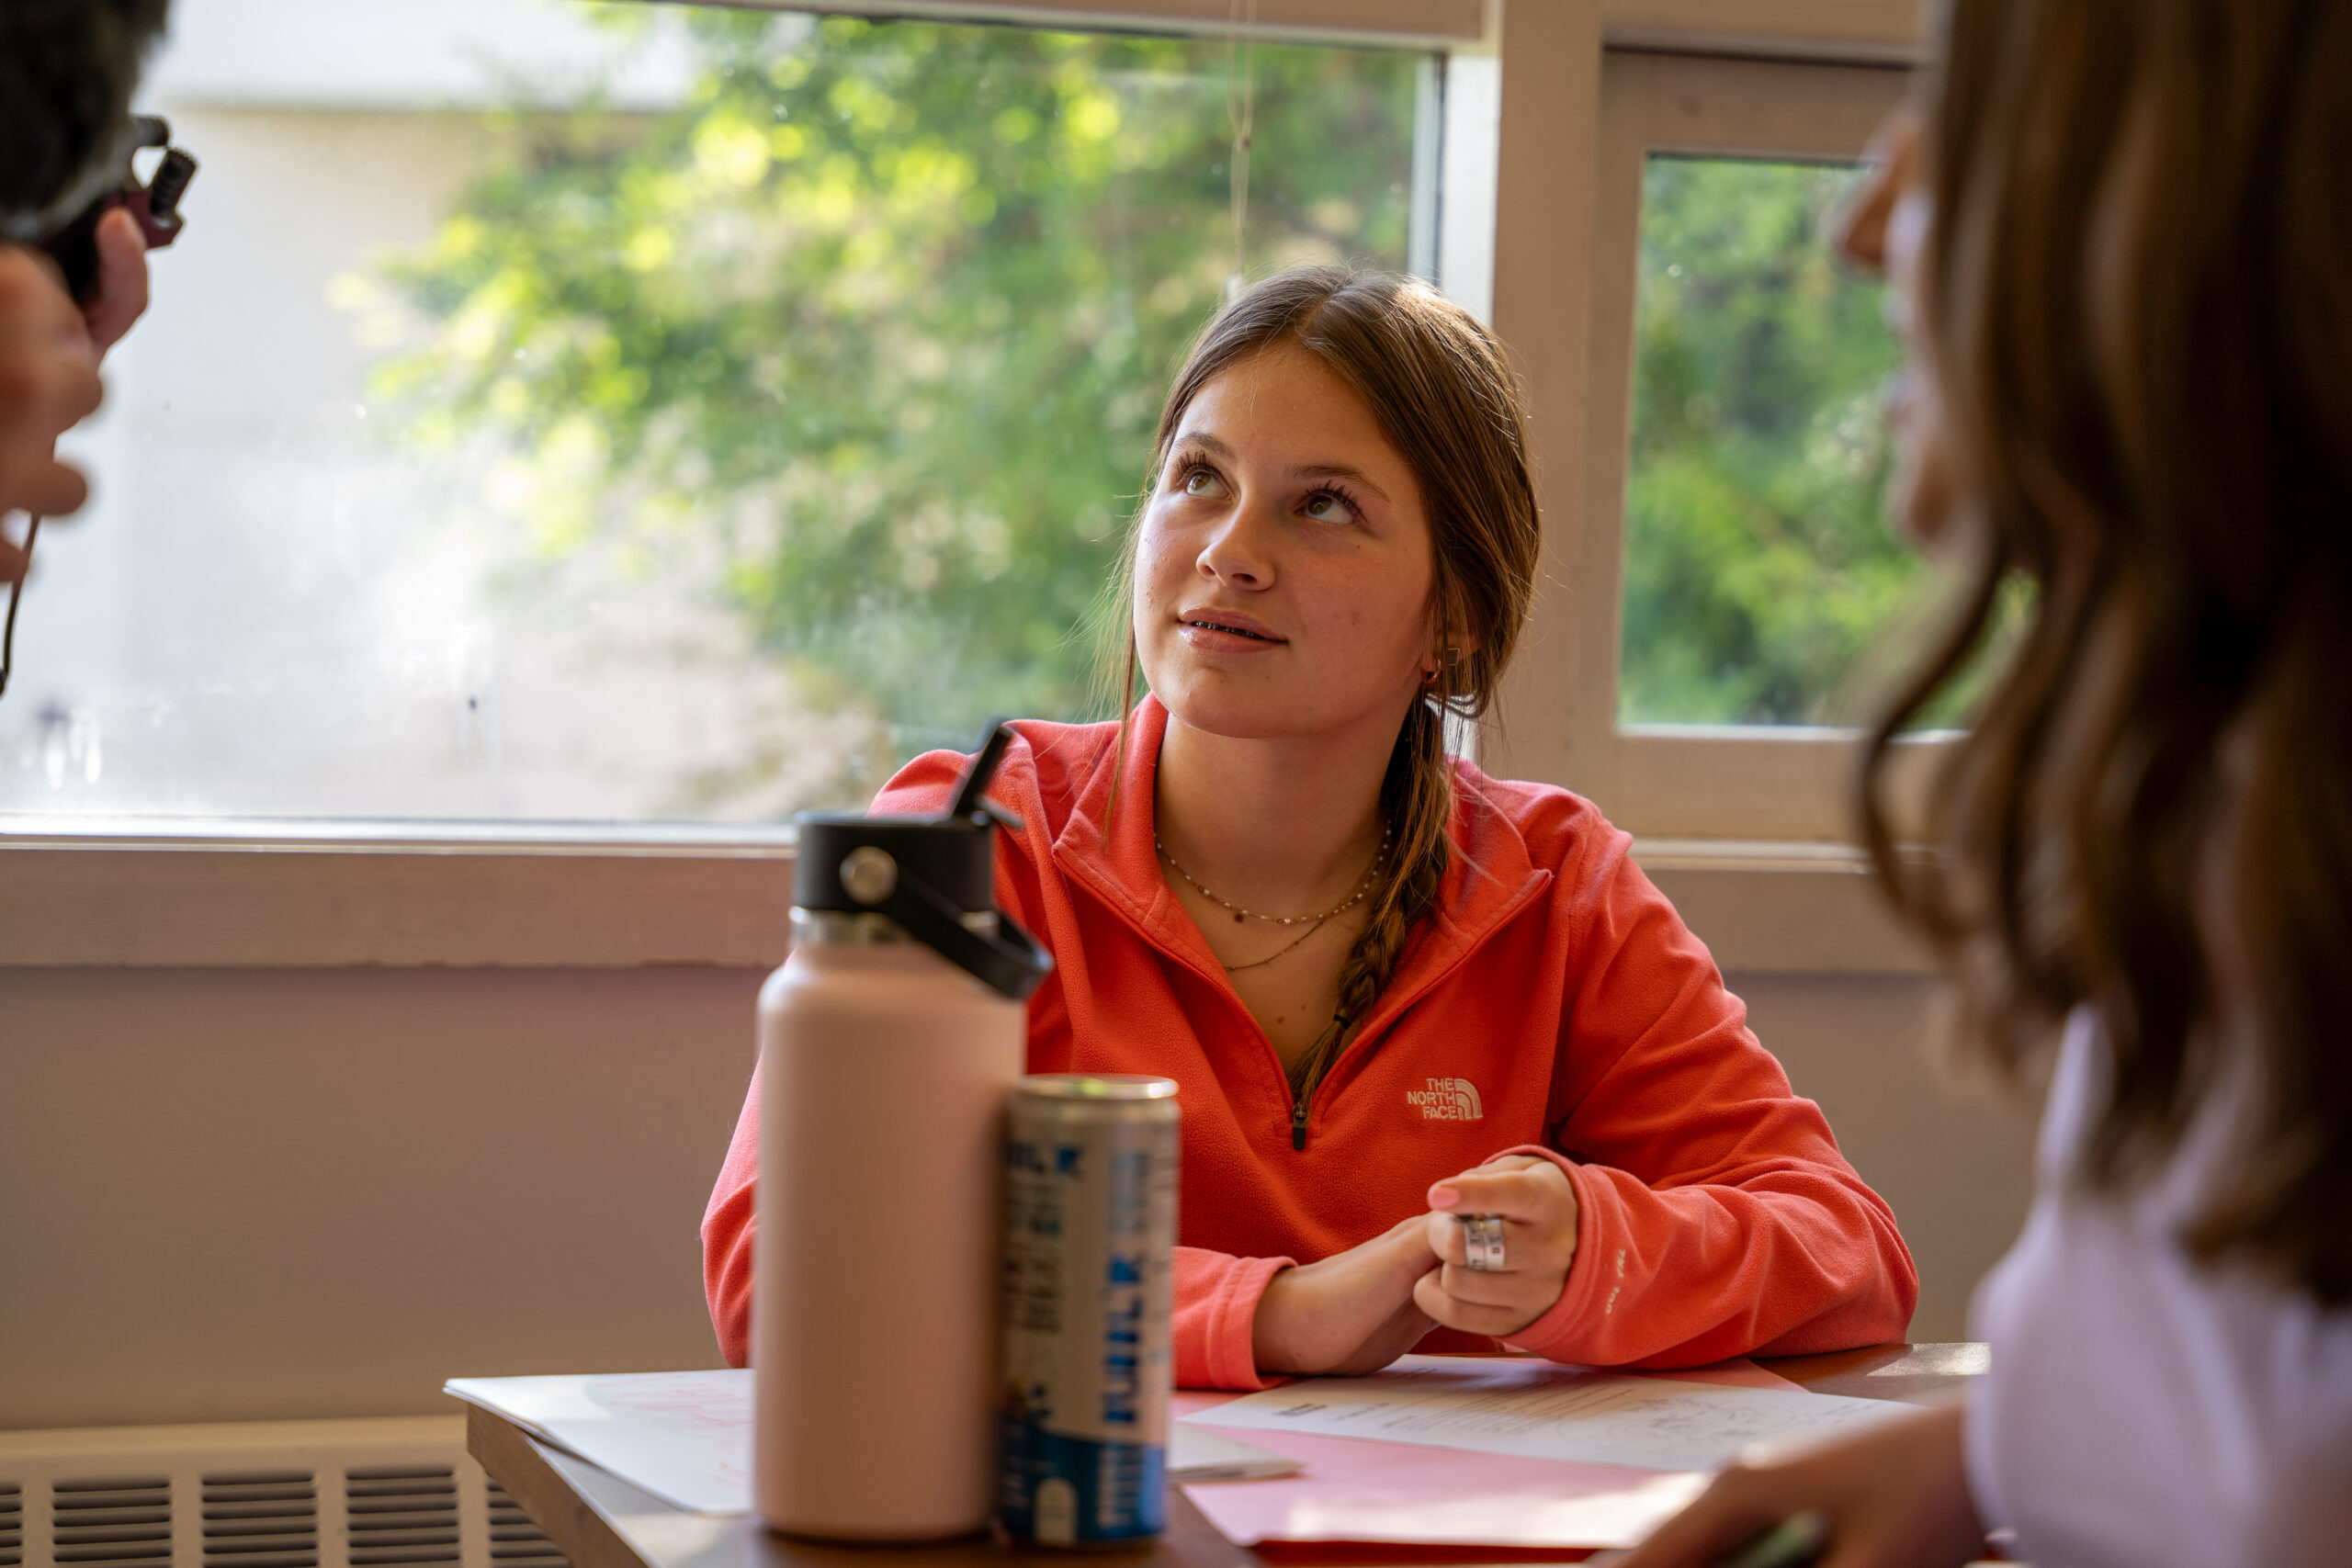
x,y
1357,1490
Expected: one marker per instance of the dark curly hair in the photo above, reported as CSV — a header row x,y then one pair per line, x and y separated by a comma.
x,y
67,69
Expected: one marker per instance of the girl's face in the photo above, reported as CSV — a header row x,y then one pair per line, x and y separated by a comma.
x,y
1284,566
1886,230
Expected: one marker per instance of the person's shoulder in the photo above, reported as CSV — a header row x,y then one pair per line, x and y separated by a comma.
x,y
1054,765
1043,774
1557,830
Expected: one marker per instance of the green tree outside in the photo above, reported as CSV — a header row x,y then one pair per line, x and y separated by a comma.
x,y
877,322
1758,564
882,317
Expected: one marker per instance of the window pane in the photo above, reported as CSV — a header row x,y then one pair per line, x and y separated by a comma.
x,y
1758,564
622,412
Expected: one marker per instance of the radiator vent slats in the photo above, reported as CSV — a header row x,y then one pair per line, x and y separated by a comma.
x,y
401,1515
515,1540
111,1522
276,1500
267,1518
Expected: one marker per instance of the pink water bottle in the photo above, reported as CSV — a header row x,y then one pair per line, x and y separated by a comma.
x,y
888,1044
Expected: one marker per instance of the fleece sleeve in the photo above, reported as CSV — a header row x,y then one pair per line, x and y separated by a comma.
x,y
1217,1304
727,1227
1716,1216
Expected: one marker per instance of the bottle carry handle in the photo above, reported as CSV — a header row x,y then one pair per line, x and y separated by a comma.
x,y
1007,959
994,950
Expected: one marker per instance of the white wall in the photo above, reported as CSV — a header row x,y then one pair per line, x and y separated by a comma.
x,y
237,1194
244,1194
413,54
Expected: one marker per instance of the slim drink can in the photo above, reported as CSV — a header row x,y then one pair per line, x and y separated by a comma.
x,y
1090,1239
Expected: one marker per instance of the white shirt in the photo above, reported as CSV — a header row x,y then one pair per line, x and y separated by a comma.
x,y
2141,1410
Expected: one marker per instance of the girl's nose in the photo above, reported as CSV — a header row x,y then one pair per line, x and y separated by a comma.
x,y
1235,551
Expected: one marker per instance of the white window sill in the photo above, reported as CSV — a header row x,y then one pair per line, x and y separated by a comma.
x,y
303,895
1783,908
219,894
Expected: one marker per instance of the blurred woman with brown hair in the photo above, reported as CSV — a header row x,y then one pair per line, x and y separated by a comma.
x,y
2120,239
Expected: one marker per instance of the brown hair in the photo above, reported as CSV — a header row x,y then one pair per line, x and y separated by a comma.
x,y
2137,292
1437,383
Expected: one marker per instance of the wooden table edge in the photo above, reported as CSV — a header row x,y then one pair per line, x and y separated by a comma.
x,y
516,1461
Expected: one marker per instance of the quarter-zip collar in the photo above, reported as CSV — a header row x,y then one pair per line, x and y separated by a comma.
x,y
1491,880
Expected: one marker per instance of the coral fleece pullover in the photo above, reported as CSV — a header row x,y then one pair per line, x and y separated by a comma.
x,y
1552,1005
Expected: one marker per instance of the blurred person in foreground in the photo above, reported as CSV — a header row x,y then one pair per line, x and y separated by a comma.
x,y
2119,238
67,69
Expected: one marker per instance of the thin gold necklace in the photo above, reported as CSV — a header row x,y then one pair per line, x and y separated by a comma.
x,y
1371,873
1284,952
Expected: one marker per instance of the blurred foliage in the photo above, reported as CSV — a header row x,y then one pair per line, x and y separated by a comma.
x,y
880,321
1759,563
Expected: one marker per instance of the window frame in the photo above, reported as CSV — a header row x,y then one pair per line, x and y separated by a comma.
x,y
1710,782
1516,244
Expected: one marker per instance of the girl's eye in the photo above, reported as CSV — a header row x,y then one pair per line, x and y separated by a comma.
x,y
1202,483
1328,506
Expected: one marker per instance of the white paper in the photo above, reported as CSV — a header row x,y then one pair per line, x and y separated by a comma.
x,y
1542,1411
686,1437
1512,1518
1197,1453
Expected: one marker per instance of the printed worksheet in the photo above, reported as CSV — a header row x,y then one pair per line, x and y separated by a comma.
x,y
1538,1410
686,1437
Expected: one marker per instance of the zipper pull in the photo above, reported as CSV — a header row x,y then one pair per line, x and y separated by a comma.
x,y
1298,1123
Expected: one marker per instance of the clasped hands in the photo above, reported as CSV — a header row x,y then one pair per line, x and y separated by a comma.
x,y
1359,1310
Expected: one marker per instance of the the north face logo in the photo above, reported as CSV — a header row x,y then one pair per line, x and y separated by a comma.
x,y
1448,1100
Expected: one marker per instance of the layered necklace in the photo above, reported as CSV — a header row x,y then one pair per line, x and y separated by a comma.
x,y
1312,922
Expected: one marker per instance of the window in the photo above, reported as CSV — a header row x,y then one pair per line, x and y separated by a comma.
x,y
258,535
627,411
1758,564
1728,561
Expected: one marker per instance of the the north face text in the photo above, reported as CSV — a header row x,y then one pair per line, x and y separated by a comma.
x,y
1448,1100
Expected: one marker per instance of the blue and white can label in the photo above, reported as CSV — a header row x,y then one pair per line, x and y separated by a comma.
x,y
1089,1237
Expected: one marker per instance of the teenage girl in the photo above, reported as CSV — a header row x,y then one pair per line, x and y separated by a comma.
x,y
2121,242
1392,989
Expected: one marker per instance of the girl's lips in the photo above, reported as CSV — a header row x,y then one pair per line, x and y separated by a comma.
x,y
1213,632
1228,621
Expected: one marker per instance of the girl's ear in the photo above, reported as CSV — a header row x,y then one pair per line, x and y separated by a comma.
x,y
1451,642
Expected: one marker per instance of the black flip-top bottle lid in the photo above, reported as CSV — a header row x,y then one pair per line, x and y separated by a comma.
x,y
955,856
927,874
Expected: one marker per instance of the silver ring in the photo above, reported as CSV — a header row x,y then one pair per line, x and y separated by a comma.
x,y
1482,1240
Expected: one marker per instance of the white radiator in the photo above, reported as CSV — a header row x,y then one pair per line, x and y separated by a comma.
x,y
381,1493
